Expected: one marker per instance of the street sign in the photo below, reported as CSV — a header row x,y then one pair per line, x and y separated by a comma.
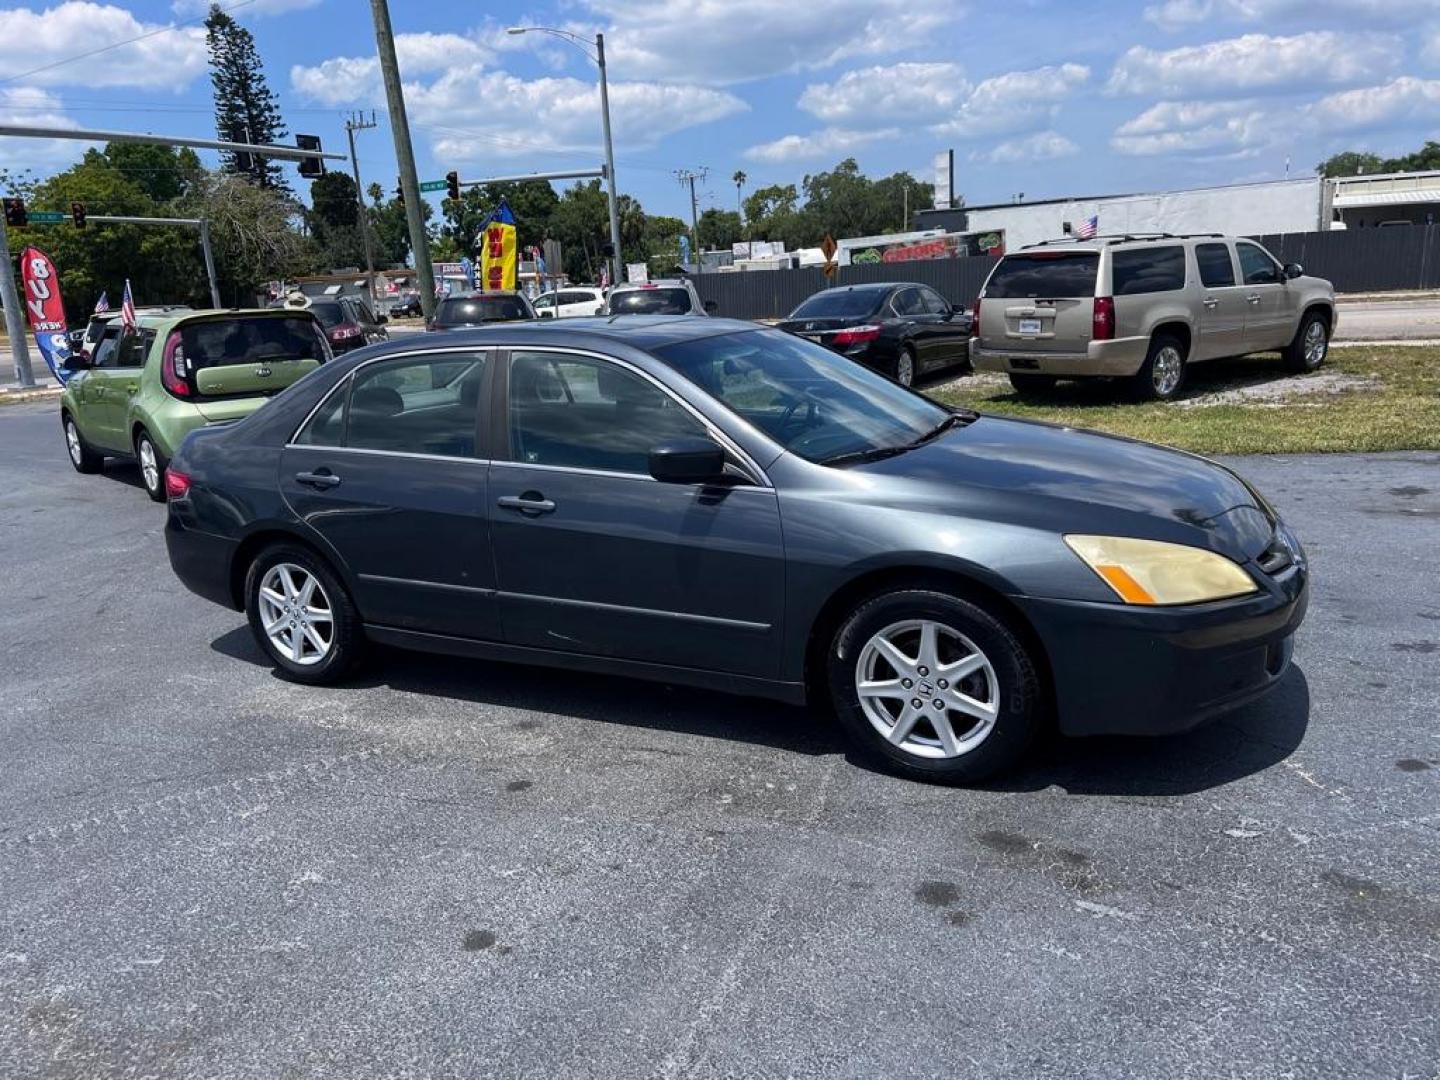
x,y
829,269
433,185
46,217
828,247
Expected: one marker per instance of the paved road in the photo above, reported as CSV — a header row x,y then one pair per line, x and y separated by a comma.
x,y
455,869
1390,320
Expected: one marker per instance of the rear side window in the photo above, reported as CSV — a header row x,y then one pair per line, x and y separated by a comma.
x,y
1147,270
1216,269
650,302
473,310
1045,275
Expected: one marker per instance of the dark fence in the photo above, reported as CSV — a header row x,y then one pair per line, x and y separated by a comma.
x,y
1356,260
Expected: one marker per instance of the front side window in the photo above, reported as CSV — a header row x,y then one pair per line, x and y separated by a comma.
x,y
413,405
802,395
582,413
1216,269
544,303
935,304
107,353
1256,265
134,347
1147,270
907,302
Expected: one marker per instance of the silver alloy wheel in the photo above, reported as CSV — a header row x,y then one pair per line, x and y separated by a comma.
x,y
72,442
927,689
149,466
1166,370
905,369
296,614
1316,344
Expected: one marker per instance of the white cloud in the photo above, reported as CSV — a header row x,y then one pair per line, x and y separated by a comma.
x,y
1042,146
31,39
29,105
1013,102
731,41
1431,49
829,142
1177,14
910,91
1254,62
1206,127
1399,101
474,114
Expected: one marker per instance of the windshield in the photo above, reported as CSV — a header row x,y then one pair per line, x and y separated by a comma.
x,y
469,310
802,395
1045,275
673,301
839,303
330,314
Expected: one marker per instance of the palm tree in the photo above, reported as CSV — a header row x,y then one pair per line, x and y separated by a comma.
x,y
739,180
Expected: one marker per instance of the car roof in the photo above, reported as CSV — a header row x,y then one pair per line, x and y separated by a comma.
x,y
669,283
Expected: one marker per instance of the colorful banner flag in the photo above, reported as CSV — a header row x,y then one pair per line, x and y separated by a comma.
x,y
498,254
46,312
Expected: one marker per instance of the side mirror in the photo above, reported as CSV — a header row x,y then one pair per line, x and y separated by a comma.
x,y
687,461
1292,271
546,314
711,307
77,361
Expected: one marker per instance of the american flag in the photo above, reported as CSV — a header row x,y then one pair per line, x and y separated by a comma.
x,y
127,308
103,304
1088,228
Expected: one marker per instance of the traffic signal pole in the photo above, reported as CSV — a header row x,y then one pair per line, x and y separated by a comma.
x,y
15,326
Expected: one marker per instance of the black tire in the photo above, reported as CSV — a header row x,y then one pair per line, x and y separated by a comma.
x,y
155,489
1033,384
81,456
347,640
1146,384
1022,701
1296,354
907,353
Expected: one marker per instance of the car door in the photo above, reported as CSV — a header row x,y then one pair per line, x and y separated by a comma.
x,y
390,471
916,326
1266,321
950,329
365,318
595,556
107,391
1223,307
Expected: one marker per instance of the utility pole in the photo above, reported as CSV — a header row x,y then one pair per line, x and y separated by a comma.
x,y
14,320
404,154
355,123
688,177
615,259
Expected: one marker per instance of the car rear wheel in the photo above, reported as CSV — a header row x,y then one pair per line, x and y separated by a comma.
x,y
152,465
934,687
1163,373
1033,384
1311,345
301,615
905,366
82,457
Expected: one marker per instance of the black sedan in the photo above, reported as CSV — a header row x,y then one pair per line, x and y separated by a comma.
x,y
899,329
713,504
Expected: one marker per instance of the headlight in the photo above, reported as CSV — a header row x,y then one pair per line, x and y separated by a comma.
x,y
1154,572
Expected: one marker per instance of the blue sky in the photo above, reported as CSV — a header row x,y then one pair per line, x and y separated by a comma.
x,y
1041,97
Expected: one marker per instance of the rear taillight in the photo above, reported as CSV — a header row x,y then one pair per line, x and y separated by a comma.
x,y
1103,322
855,335
345,333
172,367
177,484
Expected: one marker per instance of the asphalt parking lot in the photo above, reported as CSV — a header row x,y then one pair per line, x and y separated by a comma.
x,y
458,869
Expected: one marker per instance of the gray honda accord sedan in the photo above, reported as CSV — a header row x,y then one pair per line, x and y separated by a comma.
x,y
713,504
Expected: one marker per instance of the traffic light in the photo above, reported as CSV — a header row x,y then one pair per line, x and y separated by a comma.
x,y
15,215
310,167
244,162
399,191
77,214
452,184
607,250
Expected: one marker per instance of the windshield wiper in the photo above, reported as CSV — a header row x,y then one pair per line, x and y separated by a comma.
x,y
880,453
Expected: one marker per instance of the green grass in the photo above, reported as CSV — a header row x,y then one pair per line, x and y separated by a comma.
x,y
1398,409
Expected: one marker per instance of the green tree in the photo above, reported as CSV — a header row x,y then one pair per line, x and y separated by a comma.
x,y
244,102
254,232
165,173
390,228
582,225
1351,163
720,229
533,202
334,220
1423,160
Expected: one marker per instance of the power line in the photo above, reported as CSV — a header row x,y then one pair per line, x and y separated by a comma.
x,y
118,44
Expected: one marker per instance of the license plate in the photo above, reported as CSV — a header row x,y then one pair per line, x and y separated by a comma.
x,y
1029,326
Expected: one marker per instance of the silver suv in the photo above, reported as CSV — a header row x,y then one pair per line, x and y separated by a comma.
x,y
1142,307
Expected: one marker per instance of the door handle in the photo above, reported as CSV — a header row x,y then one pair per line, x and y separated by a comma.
x,y
131,387
532,502
1211,303
319,480
99,391
1253,298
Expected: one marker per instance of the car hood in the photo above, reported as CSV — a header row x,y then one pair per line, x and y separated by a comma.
x,y
1070,481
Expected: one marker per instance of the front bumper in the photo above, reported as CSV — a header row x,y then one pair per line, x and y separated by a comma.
x,y
1114,359
1126,670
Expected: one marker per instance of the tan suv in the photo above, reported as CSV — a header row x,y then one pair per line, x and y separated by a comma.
x,y
1143,307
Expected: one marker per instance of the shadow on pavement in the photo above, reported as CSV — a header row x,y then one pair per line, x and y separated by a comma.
x,y
1234,746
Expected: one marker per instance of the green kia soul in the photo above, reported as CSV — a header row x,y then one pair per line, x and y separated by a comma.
x,y
139,392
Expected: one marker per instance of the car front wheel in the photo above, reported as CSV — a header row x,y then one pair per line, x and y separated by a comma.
x,y
152,465
301,615
934,687
1311,345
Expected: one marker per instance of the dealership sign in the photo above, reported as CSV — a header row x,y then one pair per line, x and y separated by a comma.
x,y
949,246
46,312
